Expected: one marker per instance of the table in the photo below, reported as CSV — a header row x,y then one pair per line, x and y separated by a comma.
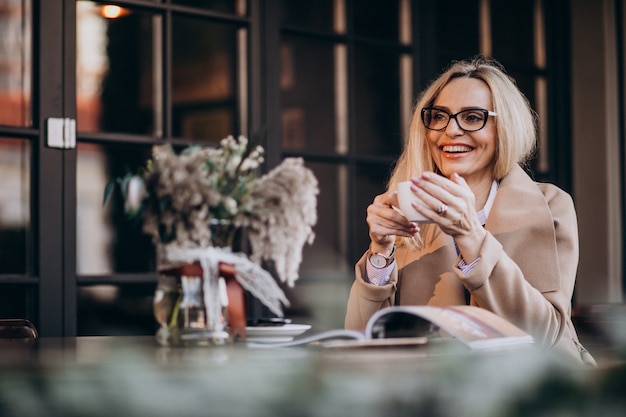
x,y
133,376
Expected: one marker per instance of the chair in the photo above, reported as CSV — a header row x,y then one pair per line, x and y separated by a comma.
x,y
17,331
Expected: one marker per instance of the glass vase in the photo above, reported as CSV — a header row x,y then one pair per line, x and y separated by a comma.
x,y
224,234
199,308
189,307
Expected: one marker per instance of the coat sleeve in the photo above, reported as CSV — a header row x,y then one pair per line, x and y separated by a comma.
x,y
365,298
524,291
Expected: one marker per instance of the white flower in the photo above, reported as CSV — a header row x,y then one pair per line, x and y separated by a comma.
x,y
249,165
233,164
182,193
135,194
230,204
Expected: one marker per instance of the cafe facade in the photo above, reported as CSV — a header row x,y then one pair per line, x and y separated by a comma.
x,y
88,87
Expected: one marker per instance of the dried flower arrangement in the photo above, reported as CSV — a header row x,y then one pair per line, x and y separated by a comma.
x,y
180,195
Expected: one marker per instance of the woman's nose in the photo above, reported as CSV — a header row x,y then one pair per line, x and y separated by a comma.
x,y
453,128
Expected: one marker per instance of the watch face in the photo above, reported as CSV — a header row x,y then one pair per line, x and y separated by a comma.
x,y
378,260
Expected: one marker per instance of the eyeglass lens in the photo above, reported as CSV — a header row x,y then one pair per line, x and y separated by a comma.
x,y
468,120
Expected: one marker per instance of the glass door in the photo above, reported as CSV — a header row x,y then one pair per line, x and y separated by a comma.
x,y
147,73
16,141
33,223
86,89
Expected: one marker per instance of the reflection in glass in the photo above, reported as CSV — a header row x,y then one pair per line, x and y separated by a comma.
x,y
308,97
15,62
238,7
118,70
453,35
17,301
310,14
14,204
372,20
326,272
327,255
534,87
371,181
541,107
204,69
105,310
377,104
107,240
526,83
514,43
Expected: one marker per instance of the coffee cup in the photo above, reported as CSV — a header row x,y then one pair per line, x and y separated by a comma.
x,y
405,198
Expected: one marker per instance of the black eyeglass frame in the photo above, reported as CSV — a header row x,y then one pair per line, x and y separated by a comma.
x,y
486,112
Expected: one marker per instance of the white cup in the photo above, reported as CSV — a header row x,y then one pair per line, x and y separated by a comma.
x,y
405,197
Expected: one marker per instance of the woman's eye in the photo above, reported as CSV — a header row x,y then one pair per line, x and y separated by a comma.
x,y
439,116
473,117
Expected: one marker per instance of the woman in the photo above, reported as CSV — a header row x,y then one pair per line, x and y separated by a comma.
x,y
497,240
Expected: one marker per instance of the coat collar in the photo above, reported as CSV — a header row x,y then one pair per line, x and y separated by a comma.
x,y
522,222
518,201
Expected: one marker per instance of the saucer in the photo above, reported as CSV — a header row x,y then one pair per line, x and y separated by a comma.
x,y
284,333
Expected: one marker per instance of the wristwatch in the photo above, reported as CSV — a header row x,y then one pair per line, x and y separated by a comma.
x,y
380,261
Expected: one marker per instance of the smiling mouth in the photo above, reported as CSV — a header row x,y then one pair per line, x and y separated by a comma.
x,y
456,149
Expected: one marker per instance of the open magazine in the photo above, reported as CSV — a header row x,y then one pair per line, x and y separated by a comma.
x,y
406,325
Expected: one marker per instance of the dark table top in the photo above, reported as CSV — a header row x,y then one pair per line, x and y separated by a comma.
x,y
133,376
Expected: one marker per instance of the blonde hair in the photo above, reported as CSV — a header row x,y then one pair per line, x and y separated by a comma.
x,y
515,121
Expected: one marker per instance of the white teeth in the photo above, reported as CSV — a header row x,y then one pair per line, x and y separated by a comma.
x,y
456,148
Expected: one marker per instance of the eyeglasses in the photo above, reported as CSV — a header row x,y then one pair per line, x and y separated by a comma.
x,y
469,120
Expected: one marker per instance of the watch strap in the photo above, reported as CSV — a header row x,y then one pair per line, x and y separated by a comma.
x,y
388,259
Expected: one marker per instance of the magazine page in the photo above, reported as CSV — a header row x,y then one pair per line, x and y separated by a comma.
x,y
342,338
338,334
414,325
476,327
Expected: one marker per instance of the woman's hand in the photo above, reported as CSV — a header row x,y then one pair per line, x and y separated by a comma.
x,y
385,223
451,204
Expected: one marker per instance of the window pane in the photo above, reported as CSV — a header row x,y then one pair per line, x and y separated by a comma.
x,y
226,6
19,301
377,102
203,79
308,95
526,83
118,71
325,274
373,20
14,204
107,240
331,228
371,181
115,310
513,38
15,63
309,14
448,35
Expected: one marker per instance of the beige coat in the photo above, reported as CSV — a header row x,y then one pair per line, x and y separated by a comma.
x,y
526,272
